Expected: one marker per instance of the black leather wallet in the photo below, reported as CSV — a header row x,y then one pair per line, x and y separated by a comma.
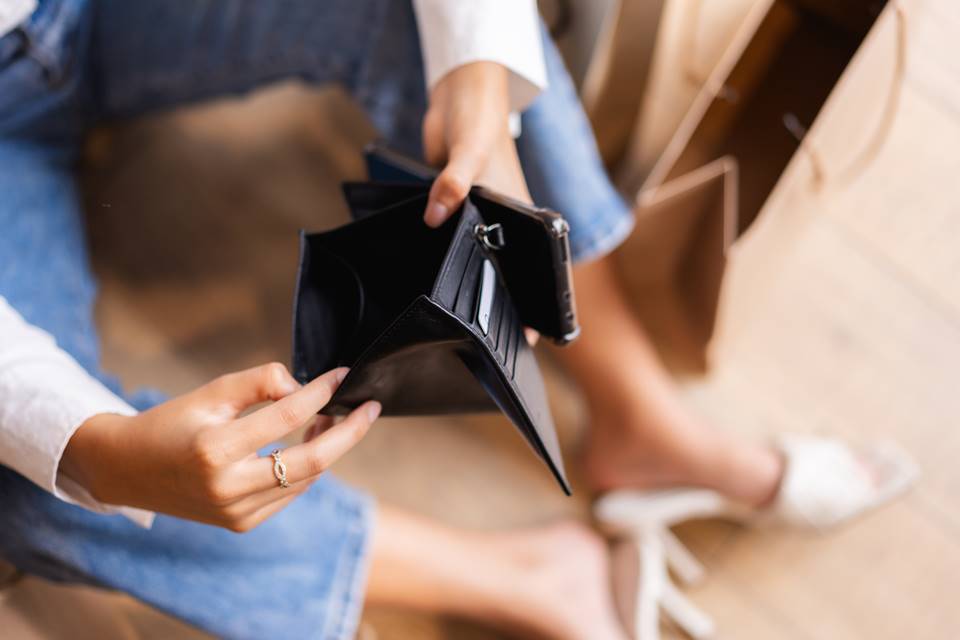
x,y
430,321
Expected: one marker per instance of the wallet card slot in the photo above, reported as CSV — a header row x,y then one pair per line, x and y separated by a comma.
x,y
448,284
507,313
521,345
467,295
513,331
496,324
506,330
488,290
519,336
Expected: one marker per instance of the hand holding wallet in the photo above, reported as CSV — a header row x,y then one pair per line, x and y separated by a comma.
x,y
430,321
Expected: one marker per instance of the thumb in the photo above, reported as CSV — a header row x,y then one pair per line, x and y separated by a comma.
x,y
453,184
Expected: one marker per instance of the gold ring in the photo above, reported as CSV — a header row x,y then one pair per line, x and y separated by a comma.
x,y
279,469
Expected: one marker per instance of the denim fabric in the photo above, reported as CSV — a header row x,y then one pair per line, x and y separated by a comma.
x,y
299,575
563,167
76,63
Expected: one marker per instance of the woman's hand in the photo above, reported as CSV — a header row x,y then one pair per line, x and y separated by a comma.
x,y
194,456
466,131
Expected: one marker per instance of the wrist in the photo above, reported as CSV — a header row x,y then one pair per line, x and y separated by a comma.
x,y
479,83
88,451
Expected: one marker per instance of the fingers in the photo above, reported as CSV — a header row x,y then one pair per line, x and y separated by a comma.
x,y
311,458
245,507
241,520
453,184
237,391
247,523
532,335
320,424
287,414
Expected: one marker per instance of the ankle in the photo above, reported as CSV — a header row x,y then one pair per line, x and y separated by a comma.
x,y
751,474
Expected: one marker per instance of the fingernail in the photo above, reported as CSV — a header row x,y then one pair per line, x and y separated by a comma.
x,y
436,213
341,374
290,386
373,410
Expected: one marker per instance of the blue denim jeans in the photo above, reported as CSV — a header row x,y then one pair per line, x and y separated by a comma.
x,y
77,63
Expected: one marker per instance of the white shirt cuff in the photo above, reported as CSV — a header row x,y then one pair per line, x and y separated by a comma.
x,y
45,395
13,13
457,32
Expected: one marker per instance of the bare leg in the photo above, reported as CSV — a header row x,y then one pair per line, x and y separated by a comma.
x,y
551,581
641,435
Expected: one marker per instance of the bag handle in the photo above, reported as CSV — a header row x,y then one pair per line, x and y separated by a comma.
x,y
793,124
693,76
692,24
821,176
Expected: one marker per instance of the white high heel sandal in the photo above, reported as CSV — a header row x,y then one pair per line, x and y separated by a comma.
x,y
825,483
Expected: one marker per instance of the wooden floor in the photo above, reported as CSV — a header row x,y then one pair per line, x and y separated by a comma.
x,y
193,220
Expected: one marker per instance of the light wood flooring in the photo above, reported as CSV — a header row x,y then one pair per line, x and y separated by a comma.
x,y
193,219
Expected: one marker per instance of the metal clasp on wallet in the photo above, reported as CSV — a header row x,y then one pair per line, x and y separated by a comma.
x,y
490,236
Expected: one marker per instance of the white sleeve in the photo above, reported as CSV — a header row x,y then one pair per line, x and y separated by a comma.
x,y
457,32
45,395
13,13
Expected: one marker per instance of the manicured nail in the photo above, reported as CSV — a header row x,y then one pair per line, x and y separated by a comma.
x,y
436,213
373,410
341,374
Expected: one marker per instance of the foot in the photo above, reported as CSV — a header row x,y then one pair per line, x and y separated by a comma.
x,y
627,449
555,583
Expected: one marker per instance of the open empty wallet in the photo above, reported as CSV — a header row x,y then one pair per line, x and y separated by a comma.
x,y
431,321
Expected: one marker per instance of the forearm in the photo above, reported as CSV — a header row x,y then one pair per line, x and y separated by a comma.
x,y
44,398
